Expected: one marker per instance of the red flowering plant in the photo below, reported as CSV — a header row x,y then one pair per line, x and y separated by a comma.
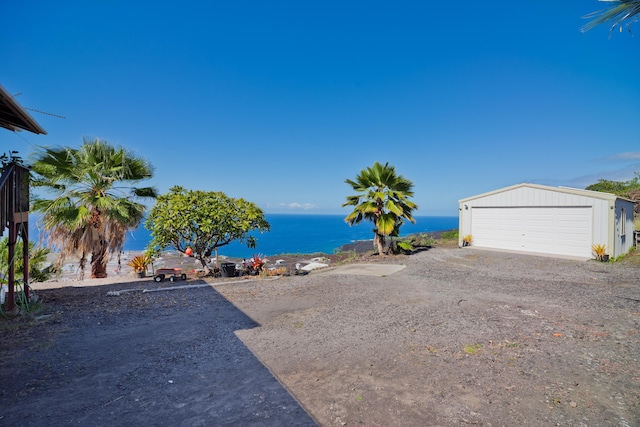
x,y
254,265
258,262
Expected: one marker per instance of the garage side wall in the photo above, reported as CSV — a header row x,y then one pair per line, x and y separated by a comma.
x,y
623,233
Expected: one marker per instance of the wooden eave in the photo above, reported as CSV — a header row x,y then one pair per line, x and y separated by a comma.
x,y
14,117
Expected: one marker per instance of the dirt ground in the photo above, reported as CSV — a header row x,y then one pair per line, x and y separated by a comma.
x,y
457,337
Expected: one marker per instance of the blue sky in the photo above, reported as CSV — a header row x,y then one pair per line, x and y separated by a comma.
x,y
279,102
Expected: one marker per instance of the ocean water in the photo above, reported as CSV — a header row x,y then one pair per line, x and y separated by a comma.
x,y
305,234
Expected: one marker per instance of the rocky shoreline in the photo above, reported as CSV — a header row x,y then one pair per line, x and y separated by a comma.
x,y
363,246
118,273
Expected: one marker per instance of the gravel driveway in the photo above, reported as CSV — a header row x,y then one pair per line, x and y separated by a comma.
x,y
457,337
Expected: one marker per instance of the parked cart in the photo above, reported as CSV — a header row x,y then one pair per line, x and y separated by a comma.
x,y
172,273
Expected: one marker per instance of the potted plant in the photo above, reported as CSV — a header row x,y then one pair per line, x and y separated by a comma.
x,y
256,264
466,240
139,264
600,250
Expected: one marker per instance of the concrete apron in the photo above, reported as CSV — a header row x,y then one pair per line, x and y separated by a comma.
x,y
380,270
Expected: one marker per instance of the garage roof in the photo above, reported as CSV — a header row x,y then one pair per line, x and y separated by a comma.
x,y
14,117
568,190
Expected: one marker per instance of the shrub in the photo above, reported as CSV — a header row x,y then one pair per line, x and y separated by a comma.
x,y
274,272
37,261
139,263
450,235
404,246
599,251
424,239
257,262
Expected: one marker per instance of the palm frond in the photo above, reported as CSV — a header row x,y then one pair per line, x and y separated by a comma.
x,y
150,192
394,208
383,198
385,224
619,12
89,206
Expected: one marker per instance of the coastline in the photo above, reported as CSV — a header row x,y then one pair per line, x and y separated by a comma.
x,y
172,259
362,246
305,234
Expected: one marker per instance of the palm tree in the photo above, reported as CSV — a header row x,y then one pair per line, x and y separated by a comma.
x,y
383,198
619,12
38,269
93,199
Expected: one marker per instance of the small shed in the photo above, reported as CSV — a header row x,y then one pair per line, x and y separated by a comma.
x,y
548,220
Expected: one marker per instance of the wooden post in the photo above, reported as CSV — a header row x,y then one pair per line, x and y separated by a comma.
x,y
14,213
25,255
11,299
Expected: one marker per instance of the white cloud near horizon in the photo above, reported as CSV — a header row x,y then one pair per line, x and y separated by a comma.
x,y
627,170
295,205
629,155
622,174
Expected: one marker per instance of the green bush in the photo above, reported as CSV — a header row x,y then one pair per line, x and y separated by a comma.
x,y
405,246
38,272
451,235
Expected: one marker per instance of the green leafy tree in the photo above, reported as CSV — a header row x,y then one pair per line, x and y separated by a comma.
x,y
39,271
203,221
93,199
383,198
619,188
628,189
619,13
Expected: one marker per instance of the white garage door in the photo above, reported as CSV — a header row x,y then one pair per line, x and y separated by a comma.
x,y
549,230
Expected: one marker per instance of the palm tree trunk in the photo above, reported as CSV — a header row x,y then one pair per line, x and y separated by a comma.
x,y
378,242
82,265
99,261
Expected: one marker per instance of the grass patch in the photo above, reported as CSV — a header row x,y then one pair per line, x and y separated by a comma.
x,y
425,240
422,239
472,349
25,305
450,235
349,256
632,257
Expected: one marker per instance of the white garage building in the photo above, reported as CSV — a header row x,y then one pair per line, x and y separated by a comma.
x,y
548,220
